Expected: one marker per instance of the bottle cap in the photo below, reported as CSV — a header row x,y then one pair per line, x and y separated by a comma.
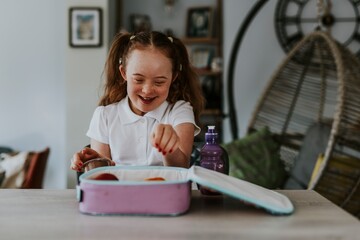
x,y
211,129
211,135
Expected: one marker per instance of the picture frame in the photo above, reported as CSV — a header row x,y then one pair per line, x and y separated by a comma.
x,y
201,57
140,22
200,22
85,27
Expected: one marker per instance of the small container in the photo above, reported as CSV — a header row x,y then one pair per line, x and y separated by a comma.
x,y
95,163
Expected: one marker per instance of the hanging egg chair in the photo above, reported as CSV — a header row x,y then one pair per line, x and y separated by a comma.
x,y
317,84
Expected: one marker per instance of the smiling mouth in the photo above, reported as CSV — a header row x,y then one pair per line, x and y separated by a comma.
x,y
147,100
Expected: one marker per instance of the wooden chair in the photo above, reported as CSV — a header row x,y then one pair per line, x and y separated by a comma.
x,y
35,169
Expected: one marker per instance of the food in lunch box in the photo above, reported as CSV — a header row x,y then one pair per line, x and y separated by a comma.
x,y
155,179
106,177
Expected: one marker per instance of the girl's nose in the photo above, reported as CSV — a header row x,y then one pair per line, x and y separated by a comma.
x,y
147,88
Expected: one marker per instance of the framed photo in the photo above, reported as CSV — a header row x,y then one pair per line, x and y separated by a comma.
x,y
199,22
201,57
140,22
85,27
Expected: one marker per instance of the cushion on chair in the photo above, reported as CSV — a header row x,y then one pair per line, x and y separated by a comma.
x,y
4,149
13,167
2,176
24,169
35,169
256,158
315,142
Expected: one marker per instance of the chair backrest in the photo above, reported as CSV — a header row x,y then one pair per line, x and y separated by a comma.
x,y
35,171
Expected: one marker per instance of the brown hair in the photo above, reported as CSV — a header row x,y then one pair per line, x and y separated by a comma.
x,y
185,87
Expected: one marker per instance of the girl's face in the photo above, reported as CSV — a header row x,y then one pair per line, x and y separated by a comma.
x,y
149,75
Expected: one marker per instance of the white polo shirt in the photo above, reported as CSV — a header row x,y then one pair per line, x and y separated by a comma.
x,y
128,134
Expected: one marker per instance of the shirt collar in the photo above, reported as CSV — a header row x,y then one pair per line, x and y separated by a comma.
x,y
127,116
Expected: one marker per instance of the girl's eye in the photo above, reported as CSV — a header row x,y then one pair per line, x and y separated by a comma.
x,y
159,83
138,80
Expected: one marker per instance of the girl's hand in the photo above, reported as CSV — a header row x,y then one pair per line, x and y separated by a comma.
x,y
175,143
165,139
81,157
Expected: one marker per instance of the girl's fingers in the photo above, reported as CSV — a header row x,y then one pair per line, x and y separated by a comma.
x,y
157,135
81,157
165,139
77,163
172,142
172,146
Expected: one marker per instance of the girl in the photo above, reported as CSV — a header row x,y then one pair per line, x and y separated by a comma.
x,y
149,113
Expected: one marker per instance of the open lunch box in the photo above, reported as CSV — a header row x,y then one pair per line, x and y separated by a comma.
x,y
131,194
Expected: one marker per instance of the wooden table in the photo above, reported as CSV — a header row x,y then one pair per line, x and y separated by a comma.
x,y
53,214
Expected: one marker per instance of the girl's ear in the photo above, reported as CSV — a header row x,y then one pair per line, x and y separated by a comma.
x,y
122,72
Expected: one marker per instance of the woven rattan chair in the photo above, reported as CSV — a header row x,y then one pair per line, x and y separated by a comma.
x,y
318,82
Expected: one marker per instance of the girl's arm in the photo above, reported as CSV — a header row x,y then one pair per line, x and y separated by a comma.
x,y
102,148
175,143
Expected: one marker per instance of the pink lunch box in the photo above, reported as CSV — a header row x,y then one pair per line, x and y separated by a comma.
x,y
133,195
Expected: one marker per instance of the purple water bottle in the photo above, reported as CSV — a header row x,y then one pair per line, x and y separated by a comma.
x,y
212,157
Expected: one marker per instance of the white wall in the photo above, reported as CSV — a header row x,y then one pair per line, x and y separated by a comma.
x,y
48,90
259,55
84,67
32,80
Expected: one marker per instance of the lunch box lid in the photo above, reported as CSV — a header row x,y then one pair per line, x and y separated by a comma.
x,y
271,201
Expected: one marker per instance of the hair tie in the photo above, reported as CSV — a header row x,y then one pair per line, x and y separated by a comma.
x,y
132,37
171,39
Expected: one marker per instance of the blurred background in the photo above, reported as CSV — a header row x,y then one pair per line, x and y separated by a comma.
x,y
49,89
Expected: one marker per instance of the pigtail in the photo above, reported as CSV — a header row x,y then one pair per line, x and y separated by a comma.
x,y
187,85
115,85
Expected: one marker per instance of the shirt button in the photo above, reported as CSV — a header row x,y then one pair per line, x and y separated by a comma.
x,y
141,139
